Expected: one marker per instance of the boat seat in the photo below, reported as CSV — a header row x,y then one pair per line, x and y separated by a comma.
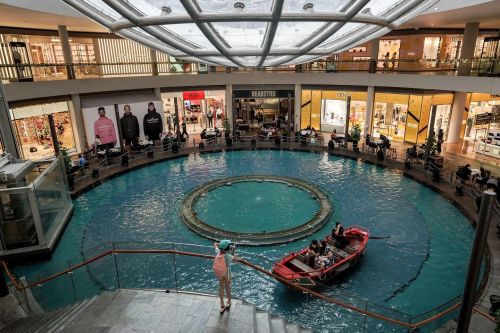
x,y
300,265
331,241
340,253
350,249
301,258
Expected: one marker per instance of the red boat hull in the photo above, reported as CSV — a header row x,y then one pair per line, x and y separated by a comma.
x,y
294,269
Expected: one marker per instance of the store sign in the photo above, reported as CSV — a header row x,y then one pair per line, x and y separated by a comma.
x,y
263,93
483,119
193,95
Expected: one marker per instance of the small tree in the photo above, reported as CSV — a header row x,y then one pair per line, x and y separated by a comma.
x,y
355,133
67,160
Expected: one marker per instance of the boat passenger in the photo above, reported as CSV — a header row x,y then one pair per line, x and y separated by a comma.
x,y
326,260
338,235
313,252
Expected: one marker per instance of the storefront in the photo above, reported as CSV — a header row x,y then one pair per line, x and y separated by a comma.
x,y
405,117
32,129
263,107
199,109
327,110
480,104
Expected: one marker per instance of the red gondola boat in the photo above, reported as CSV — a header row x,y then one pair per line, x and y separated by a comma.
x,y
294,266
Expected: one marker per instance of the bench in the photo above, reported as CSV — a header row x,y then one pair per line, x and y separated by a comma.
x,y
300,265
338,252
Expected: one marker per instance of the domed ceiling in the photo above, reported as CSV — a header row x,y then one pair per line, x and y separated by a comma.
x,y
251,33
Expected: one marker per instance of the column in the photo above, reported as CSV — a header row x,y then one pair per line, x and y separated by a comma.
x,y
374,44
471,32
229,106
370,100
154,62
66,48
297,107
97,55
157,92
6,132
457,116
76,116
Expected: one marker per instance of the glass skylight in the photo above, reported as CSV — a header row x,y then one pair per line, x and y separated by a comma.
x,y
250,33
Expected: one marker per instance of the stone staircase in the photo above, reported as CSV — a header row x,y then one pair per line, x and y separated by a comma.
x,y
128,310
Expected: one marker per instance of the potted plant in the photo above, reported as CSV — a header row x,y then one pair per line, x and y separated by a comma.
x,y
68,165
227,128
355,136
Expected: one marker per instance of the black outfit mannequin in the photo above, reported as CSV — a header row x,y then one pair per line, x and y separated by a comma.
x,y
152,123
210,117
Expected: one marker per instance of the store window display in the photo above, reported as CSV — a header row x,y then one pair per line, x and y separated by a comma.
x,y
389,116
388,52
32,128
480,104
334,110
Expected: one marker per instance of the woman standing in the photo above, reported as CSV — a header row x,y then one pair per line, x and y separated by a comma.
x,y
223,271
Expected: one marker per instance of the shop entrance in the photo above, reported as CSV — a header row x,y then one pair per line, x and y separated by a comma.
x,y
198,109
264,111
32,127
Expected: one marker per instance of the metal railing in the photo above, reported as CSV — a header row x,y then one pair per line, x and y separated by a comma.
x,y
113,266
62,71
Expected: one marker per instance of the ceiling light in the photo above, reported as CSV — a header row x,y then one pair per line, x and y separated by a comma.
x,y
239,6
165,10
308,7
366,11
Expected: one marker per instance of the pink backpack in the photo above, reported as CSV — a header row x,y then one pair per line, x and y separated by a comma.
x,y
220,267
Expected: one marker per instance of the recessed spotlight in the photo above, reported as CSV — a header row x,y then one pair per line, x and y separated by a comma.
x,y
435,8
432,24
308,7
165,10
239,6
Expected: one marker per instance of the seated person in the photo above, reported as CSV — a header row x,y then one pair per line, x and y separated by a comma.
x,y
464,172
333,136
313,133
483,176
325,261
315,250
81,161
412,152
369,142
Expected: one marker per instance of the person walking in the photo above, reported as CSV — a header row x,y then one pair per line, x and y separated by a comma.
x,y
222,270
184,132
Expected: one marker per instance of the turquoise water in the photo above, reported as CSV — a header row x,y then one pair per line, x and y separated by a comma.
x,y
421,265
256,207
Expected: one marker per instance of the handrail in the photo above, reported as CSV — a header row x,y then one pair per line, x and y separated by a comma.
x,y
21,287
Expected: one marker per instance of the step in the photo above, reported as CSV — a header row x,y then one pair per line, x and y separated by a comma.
x,y
30,324
71,316
244,313
278,325
92,313
292,328
263,322
61,317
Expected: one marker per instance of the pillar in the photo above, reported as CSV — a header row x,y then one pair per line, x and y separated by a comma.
x,y
471,32
154,62
374,47
297,107
370,101
457,116
97,55
66,48
157,92
8,139
229,106
76,116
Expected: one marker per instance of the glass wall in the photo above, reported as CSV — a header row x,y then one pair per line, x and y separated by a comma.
x,y
405,117
32,128
327,110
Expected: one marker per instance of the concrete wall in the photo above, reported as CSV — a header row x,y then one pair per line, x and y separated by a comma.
x,y
20,91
